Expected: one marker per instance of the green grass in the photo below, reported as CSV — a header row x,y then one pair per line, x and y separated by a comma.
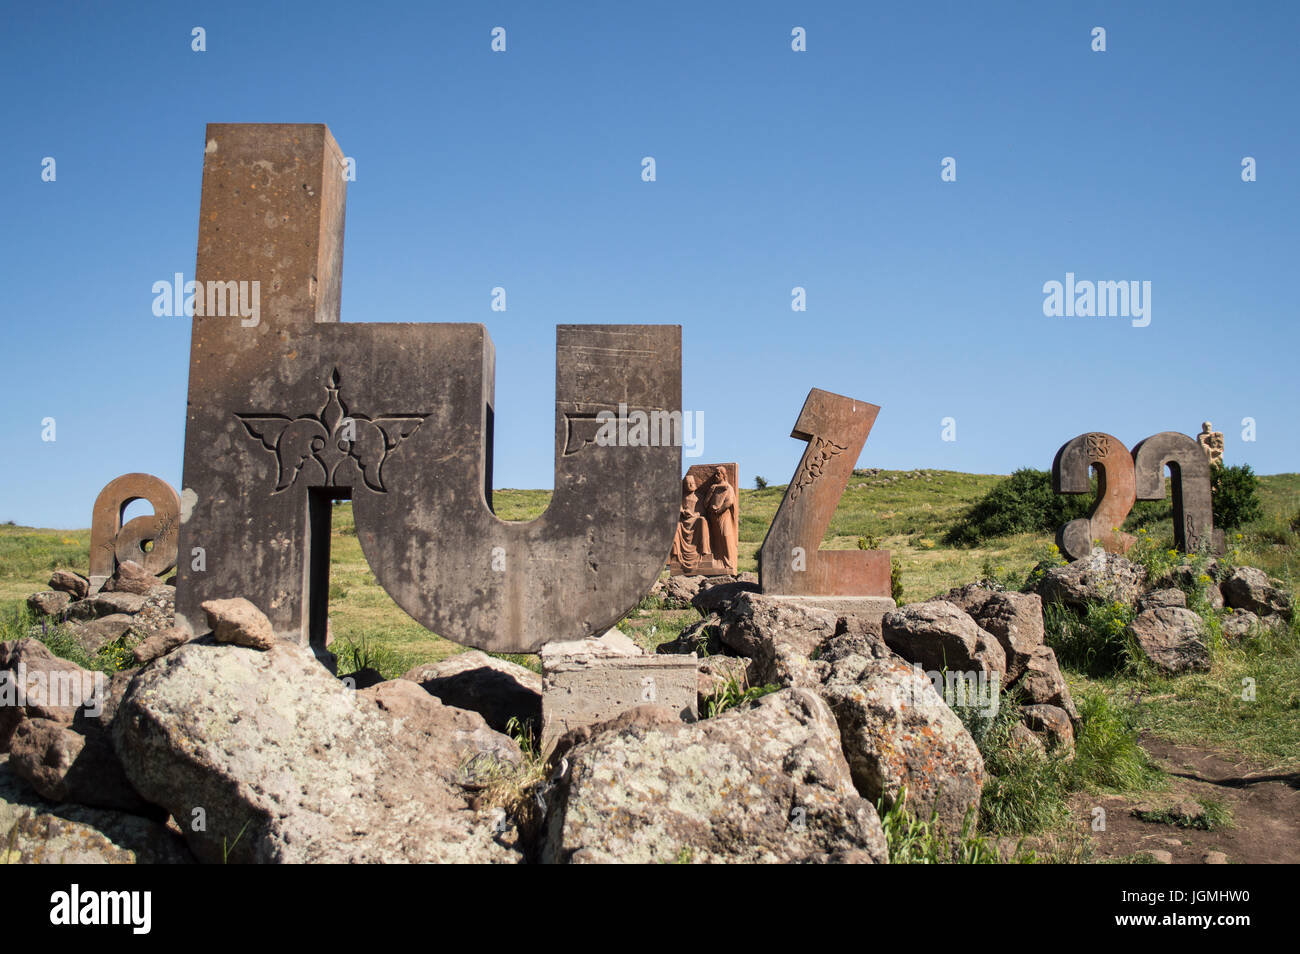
x,y
907,512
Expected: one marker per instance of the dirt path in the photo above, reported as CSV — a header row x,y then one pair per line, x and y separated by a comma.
x,y
1264,808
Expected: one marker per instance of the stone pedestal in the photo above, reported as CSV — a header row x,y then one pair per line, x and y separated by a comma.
x,y
592,680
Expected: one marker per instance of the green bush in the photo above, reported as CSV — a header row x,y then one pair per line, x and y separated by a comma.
x,y
1235,493
1026,503
760,483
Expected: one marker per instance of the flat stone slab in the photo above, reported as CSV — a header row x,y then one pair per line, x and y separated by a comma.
x,y
586,688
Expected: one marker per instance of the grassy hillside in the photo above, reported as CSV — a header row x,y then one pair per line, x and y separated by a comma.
x,y
906,512
909,513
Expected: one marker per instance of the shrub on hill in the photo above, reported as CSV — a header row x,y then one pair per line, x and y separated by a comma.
x,y
1235,492
1026,503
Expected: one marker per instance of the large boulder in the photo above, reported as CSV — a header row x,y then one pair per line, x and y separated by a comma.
x,y
1014,619
780,639
1172,638
1100,577
898,733
64,765
36,684
35,832
265,755
496,689
767,783
940,636
1252,589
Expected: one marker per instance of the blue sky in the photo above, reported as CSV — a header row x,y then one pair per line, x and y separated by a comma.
x,y
775,169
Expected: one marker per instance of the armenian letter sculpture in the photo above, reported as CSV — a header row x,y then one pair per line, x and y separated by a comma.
x,y
294,410
790,561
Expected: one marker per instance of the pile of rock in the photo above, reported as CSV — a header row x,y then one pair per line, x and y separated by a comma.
x,y
131,607
1170,634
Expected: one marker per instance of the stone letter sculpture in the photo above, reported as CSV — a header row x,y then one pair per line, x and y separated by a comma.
x,y
790,562
112,543
292,410
1211,442
1190,470
707,541
1071,472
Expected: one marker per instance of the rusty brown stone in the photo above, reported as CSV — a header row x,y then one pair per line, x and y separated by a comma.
x,y
708,526
112,543
1071,472
294,410
1190,470
790,563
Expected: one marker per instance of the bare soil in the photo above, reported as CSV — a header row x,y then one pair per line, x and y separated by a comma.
x,y
1264,806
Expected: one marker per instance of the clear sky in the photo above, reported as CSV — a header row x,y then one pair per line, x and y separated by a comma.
x,y
774,169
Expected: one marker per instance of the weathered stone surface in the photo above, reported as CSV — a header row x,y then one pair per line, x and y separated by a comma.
x,y
159,644
497,689
46,686
131,577
112,542
708,525
1190,470
679,592
1043,684
898,733
1071,474
613,642
1098,577
761,784
107,604
779,638
1014,619
63,765
1050,723
715,598
94,634
790,561
454,737
305,408
1172,638
587,688
1239,624
49,603
940,636
1167,598
34,832
240,623
1252,589
68,582
317,773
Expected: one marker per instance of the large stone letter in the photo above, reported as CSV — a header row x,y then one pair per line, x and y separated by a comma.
x,y
1071,474
1190,469
112,543
297,410
790,563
